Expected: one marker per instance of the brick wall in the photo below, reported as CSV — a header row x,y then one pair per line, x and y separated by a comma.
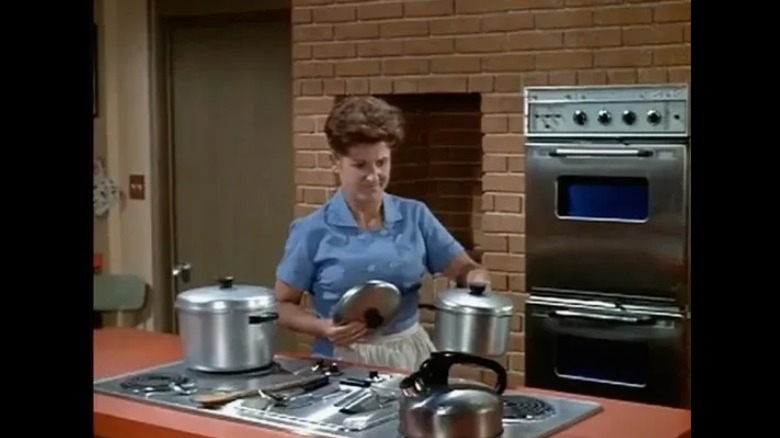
x,y
490,47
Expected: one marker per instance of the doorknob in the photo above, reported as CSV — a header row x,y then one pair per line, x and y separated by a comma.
x,y
182,271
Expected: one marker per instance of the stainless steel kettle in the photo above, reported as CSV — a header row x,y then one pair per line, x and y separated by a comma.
x,y
432,406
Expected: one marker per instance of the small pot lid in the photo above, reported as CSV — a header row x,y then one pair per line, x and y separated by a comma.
x,y
227,296
376,303
476,299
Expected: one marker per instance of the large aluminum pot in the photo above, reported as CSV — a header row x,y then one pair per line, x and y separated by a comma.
x,y
228,327
472,320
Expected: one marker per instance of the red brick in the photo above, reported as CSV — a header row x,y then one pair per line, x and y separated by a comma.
x,y
333,50
405,66
652,35
622,57
427,8
483,84
314,69
676,12
564,19
301,16
394,29
494,124
593,38
507,22
503,144
380,10
454,25
356,31
310,141
455,64
312,33
624,15
357,68
367,49
428,46
334,14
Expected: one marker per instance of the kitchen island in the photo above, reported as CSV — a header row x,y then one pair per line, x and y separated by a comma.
x,y
123,350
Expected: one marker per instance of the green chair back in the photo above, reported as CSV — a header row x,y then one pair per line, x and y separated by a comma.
x,y
118,292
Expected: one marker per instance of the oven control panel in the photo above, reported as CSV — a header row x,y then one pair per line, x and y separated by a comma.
x,y
613,110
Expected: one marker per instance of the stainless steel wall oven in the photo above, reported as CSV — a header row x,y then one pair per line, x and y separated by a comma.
x,y
624,351
606,222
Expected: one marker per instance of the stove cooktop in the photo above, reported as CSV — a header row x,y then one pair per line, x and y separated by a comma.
x,y
348,406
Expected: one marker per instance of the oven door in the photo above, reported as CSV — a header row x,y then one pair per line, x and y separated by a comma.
x,y
606,219
597,349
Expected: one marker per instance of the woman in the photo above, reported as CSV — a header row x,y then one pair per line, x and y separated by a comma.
x,y
361,234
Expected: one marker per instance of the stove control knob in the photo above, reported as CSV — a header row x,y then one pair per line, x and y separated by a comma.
x,y
333,368
373,375
580,117
604,117
654,117
629,117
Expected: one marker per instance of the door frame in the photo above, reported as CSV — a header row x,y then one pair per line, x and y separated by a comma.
x,y
163,15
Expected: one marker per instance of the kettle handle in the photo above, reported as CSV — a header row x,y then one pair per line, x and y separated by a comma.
x,y
435,371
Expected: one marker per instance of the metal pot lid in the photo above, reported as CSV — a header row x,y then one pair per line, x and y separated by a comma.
x,y
476,299
376,303
227,296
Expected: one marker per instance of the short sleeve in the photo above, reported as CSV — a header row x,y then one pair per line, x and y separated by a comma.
x,y
296,267
440,246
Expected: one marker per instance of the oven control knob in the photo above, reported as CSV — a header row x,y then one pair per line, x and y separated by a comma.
x,y
604,117
629,117
653,117
579,117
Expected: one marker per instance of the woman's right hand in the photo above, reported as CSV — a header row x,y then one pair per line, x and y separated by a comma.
x,y
347,334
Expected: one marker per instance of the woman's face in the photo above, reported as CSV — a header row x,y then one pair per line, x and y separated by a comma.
x,y
364,171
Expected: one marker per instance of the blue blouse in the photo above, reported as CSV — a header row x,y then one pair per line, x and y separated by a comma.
x,y
326,254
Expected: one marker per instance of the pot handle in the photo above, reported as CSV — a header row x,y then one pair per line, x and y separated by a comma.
x,y
427,307
435,371
260,319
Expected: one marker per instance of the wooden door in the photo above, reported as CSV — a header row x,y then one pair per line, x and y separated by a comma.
x,y
230,88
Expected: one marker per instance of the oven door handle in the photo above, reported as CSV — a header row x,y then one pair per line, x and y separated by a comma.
x,y
643,153
644,319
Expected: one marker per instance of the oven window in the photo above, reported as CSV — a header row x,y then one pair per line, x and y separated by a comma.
x,y
615,198
619,362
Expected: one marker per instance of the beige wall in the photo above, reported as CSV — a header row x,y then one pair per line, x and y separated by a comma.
x,y
123,134
100,225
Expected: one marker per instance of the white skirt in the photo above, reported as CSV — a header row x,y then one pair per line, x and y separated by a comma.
x,y
404,351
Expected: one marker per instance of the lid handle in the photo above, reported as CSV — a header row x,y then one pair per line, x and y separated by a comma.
x,y
477,288
225,282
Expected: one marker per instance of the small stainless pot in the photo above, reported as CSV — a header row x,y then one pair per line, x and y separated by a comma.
x,y
473,320
227,328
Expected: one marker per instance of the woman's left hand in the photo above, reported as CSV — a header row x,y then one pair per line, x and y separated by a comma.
x,y
478,276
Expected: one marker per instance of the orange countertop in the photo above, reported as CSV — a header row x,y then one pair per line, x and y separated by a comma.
x,y
122,350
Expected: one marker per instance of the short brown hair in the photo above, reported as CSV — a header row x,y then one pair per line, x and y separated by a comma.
x,y
363,119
